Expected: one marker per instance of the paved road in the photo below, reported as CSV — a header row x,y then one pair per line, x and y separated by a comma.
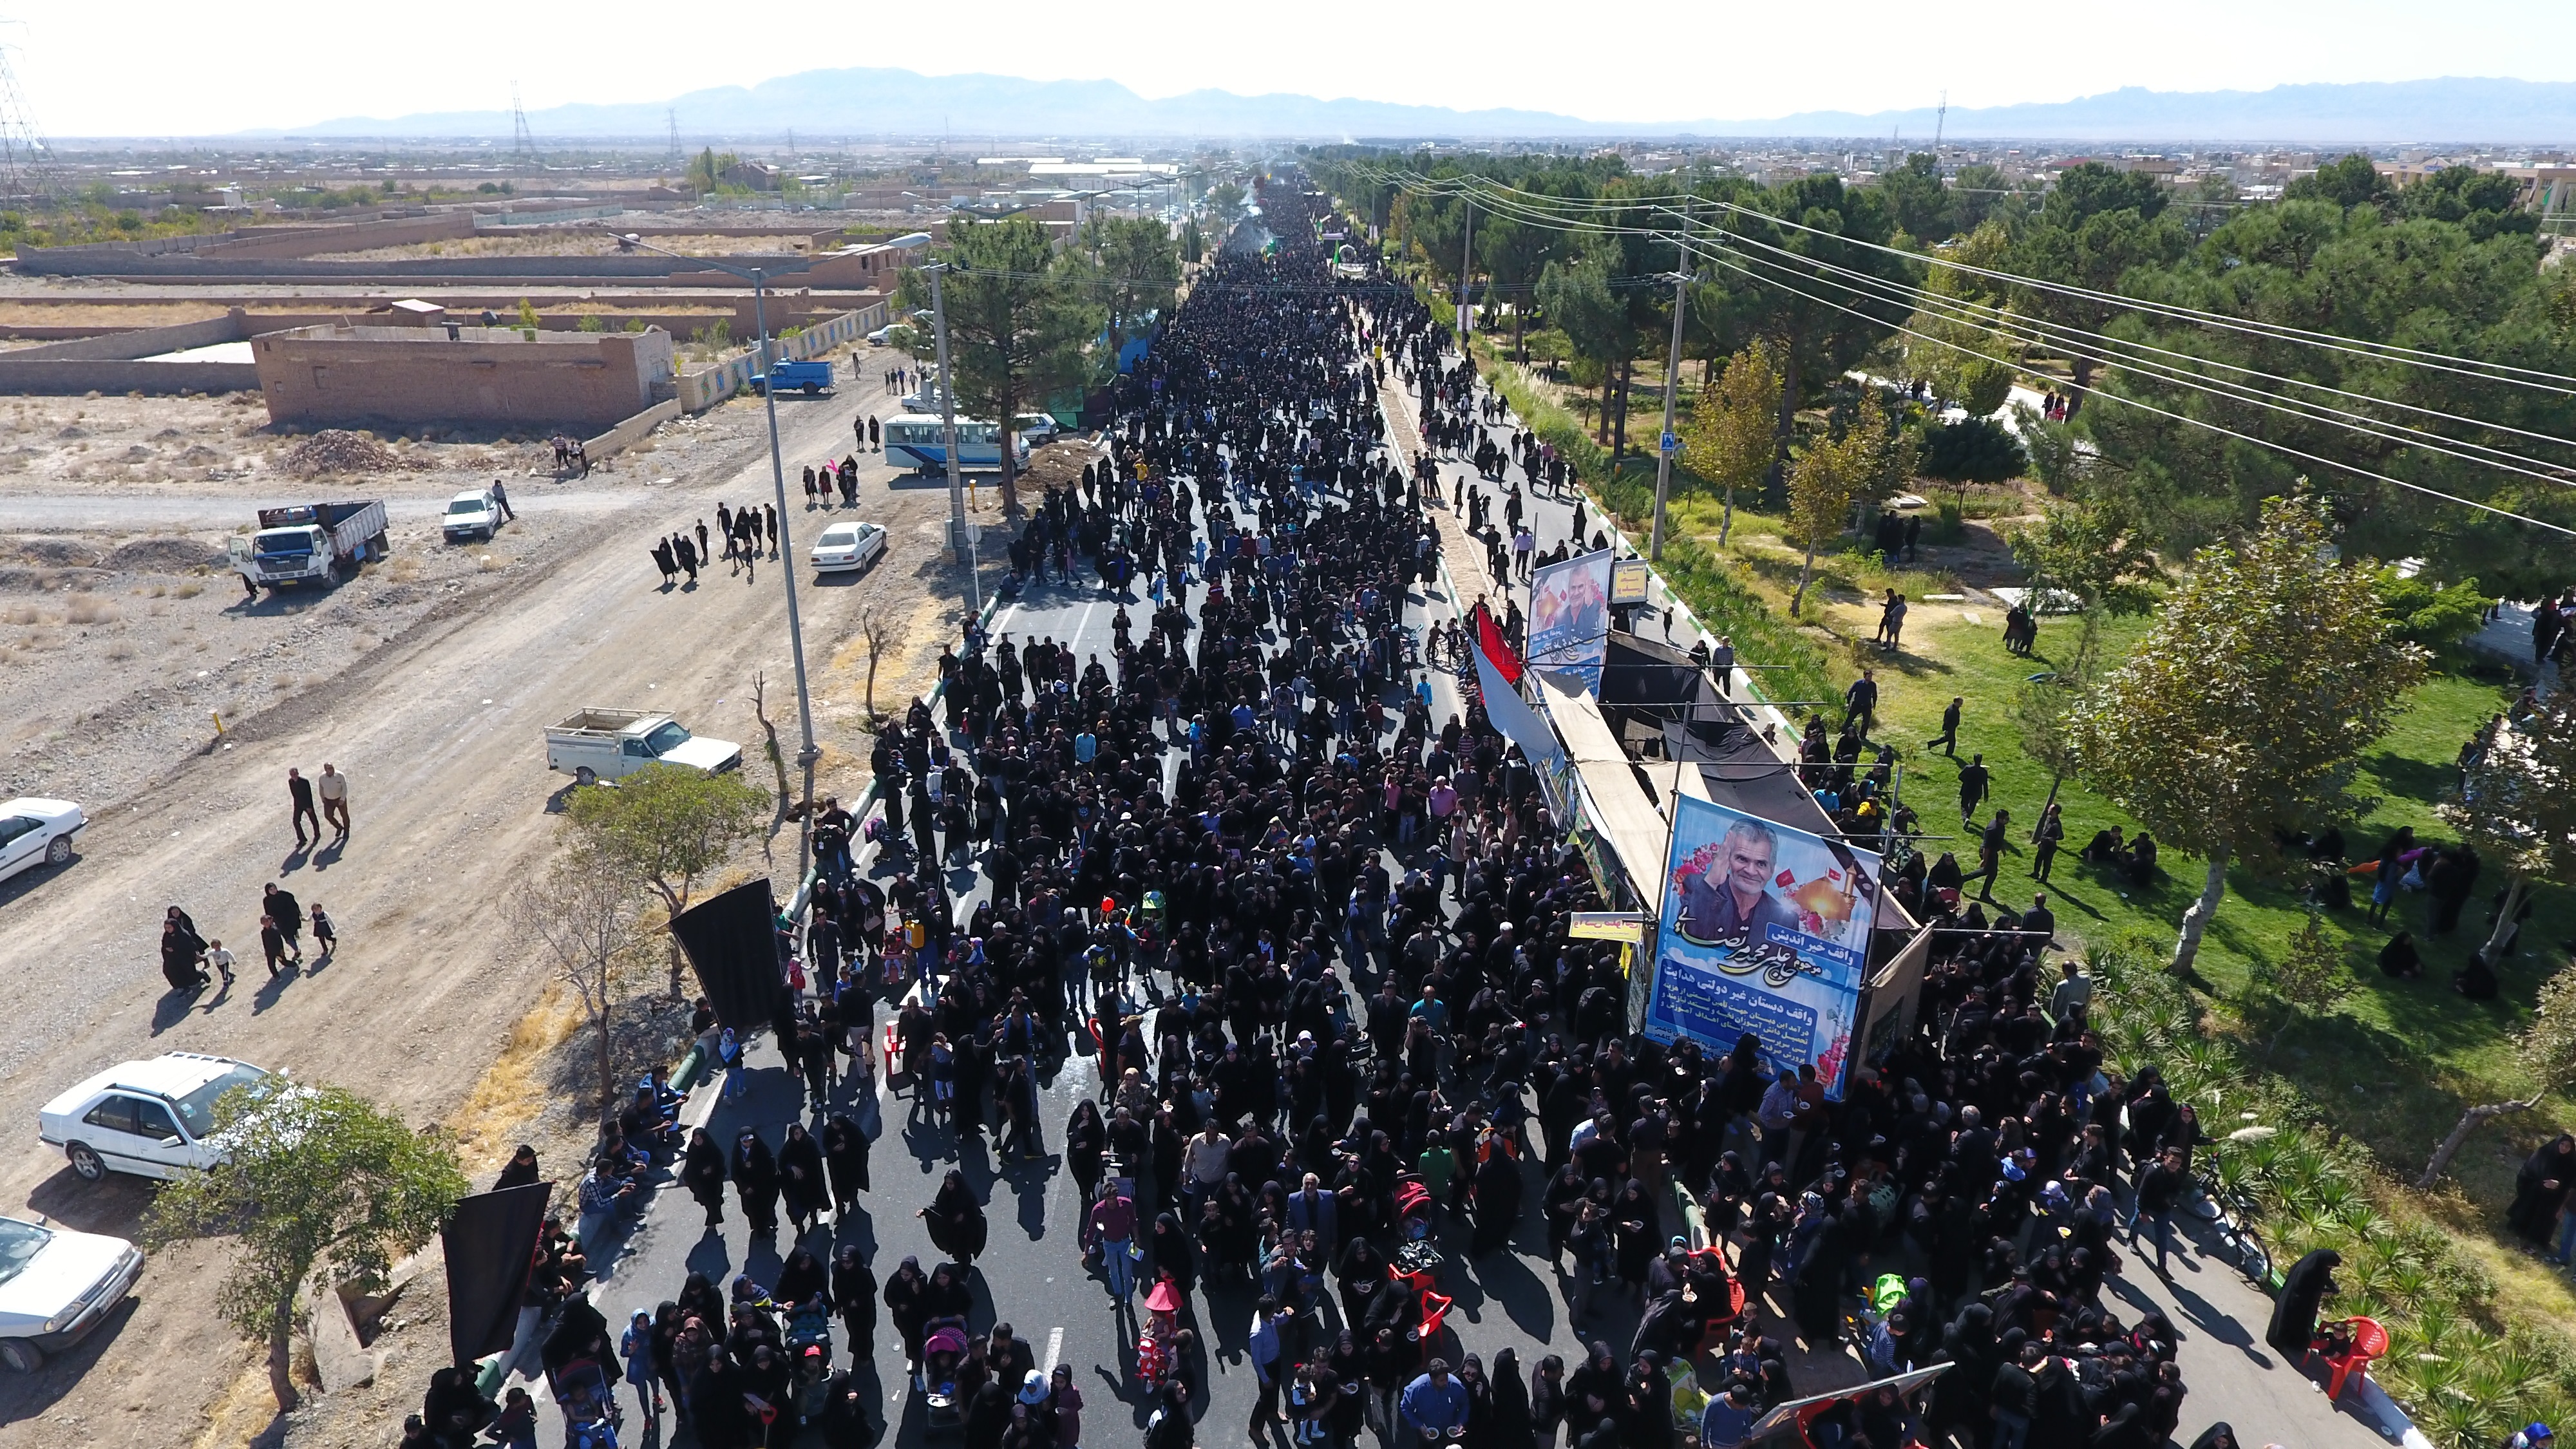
x,y
43,512
440,732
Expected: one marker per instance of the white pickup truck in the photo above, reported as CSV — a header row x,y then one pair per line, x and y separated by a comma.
x,y
610,744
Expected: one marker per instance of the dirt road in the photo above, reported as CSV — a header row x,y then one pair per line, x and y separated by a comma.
x,y
439,730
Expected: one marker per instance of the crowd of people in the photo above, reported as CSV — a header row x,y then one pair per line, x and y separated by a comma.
x,y
744,531
1316,937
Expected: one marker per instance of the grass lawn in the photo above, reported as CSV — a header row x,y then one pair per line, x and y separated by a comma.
x,y
2396,1062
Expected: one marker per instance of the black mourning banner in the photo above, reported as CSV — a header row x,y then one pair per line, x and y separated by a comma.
x,y
732,940
490,1241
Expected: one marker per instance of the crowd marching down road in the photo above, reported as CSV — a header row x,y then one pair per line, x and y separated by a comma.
x,y
1207,966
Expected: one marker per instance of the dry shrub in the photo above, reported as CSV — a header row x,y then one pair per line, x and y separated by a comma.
x,y
86,609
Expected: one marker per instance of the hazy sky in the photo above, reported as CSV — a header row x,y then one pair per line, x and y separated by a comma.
x,y
153,67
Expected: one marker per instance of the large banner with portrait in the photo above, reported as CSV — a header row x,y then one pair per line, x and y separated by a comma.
x,y
1569,618
1765,930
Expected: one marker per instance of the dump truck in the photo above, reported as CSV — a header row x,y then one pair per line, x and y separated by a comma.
x,y
311,543
610,744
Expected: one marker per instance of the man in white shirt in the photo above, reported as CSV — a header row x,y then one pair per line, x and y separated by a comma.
x,y
333,787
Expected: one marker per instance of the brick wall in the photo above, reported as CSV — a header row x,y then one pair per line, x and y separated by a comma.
x,y
343,376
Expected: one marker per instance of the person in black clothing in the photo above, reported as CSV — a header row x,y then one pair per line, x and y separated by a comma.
x,y
1974,778
1860,702
300,791
1948,739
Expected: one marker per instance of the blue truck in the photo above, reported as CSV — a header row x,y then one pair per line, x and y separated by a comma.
x,y
810,378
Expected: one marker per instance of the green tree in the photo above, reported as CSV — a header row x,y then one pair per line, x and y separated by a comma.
x,y
313,1179
2517,804
2307,981
1829,475
1916,198
2546,1052
1956,343
528,318
1021,321
1728,439
1819,333
1594,319
2370,272
1971,450
2269,670
1226,200
1140,271
2096,225
1193,244
2433,615
665,827
2095,553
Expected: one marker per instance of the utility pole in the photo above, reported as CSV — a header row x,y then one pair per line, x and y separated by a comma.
x,y
810,755
1667,445
1466,261
961,532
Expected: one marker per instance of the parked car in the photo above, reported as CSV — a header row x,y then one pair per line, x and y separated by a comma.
x,y
473,513
848,546
150,1119
55,1286
34,829
610,744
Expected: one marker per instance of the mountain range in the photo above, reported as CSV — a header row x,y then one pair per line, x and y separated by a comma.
x,y
879,102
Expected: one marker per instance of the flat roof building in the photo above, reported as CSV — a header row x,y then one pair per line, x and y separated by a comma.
x,y
337,376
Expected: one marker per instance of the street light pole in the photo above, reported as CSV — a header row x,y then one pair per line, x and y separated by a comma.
x,y
961,532
810,754
1665,446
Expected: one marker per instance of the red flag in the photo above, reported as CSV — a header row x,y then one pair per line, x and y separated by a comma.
x,y
1489,637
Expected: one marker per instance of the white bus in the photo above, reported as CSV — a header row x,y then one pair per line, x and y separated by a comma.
x,y
920,440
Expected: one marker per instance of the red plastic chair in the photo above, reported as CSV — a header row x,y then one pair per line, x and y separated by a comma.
x,y
2369,1341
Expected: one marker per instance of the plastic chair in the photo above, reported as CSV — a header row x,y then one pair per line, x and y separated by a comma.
x,y
2369,1341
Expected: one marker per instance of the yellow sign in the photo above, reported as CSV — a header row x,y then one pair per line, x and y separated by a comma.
x,y
1628,926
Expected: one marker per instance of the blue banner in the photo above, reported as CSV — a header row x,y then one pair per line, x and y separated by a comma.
x,y
1765,930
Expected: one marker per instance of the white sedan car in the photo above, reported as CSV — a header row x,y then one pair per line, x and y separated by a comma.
x,y
32,830
55,1286
847,546
471,514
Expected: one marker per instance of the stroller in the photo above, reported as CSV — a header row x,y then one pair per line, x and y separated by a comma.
x,y
582,1390
809,1352
1413,1209
1416,1269
1154,1340
942,1350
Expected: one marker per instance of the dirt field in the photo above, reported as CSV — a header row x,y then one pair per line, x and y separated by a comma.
x,y
564,242
428,681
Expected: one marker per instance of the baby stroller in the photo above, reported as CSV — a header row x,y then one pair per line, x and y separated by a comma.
x,y
942,1350
581,1389
809,1352
1416,1269
1413,1209
1154,1340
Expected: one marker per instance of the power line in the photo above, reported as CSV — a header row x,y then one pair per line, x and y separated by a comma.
x,y
2383,351
1683,242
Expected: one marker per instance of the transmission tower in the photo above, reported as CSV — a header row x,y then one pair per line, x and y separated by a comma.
x,y
26,165
1940,123
673,117
523,145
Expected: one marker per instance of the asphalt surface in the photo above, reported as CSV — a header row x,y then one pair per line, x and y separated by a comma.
x,y
1032,1275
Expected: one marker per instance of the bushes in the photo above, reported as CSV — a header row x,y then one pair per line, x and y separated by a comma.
x,y
2467,1373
